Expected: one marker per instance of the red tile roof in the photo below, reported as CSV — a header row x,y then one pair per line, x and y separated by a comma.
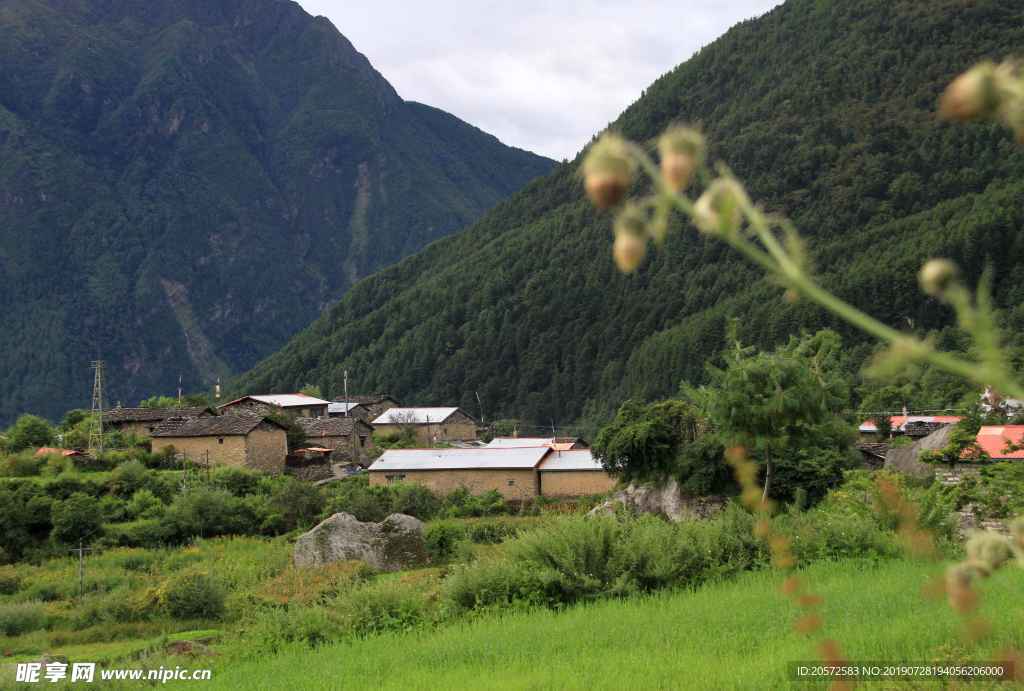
x,y
993,439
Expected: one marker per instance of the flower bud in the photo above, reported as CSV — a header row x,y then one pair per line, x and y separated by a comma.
x,y
936,276
608,171
682,151
720,208
630,246
974,94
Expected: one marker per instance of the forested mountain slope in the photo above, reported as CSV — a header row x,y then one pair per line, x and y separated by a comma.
x,y
825,108
184,184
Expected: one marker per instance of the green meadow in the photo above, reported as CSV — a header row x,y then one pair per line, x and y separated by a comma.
x,y
728,635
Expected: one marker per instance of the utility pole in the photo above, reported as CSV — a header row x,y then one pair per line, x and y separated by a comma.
x,y
179,390
347,404
81,550
96,426
481,404
216,390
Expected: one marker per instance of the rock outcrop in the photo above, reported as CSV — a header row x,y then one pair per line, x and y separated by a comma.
x,y
391,545
666,500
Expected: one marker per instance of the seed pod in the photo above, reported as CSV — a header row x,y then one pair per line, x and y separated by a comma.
x,y
630,246
974,94
608,171
682,151
720,208
936,276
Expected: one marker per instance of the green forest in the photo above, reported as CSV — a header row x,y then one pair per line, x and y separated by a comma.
x,y
826,110
184,185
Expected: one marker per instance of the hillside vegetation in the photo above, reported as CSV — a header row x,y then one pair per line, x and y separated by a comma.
x,y
825,109
186,184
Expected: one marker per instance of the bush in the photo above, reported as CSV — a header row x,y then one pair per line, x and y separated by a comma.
x,y
29,431
128,478
145,504
193,596
238,481
10,581
414,500
77,518
24,464
494,584
355,496
17,618
461,503
297,503
379,607
206,512
113,510
149,533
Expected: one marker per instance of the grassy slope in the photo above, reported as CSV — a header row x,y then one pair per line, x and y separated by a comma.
x,y
730,635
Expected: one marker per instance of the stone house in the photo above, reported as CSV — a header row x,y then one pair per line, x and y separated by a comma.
x,y
517,473
375,405
347,436
142,421
298,404
349,409
430,425
572,473
242,441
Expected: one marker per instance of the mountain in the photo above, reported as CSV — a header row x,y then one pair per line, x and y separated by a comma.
x,y
824,108
184,184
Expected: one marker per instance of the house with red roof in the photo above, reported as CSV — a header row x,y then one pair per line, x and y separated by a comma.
x,y
994,440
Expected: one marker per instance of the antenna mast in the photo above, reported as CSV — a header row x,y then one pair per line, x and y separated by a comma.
x,y
96,427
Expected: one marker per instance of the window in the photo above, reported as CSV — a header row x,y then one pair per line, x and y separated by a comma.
x,y
362,441
220,440
392,479
511,483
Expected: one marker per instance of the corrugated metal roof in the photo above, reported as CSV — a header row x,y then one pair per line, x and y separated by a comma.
x,y
898,422
574,459
993,439
342,408
414,416
459,459
283,400
519,442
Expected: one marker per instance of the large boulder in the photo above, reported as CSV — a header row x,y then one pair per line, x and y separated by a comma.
x,y
391,545
666,500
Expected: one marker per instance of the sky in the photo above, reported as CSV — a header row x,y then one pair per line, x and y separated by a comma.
x,y
543,76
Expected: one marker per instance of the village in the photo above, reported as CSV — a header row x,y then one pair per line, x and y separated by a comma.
x,y
440,449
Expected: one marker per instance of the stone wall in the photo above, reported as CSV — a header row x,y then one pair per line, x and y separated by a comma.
x,y
267,448
229,450
575,483
523,481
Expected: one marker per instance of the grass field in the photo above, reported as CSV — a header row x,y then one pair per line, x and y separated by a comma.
x,y
734,635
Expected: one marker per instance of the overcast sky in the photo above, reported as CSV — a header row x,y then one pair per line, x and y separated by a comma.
x,y
544,76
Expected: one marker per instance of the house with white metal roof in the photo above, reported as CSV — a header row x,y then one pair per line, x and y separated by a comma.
x,y
563,443
298,404
517,473
428,425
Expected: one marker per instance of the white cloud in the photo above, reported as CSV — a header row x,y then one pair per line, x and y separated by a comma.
x,y
544,76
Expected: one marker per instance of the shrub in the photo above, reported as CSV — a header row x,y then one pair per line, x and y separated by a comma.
x,y
76,518
490,584
149,533
378,607
297,503
54,464
17,618
113,509
29,431
205,512
193,596
128,478
414,500
10,581
145,504
355,496
461,503
24,464
237,481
